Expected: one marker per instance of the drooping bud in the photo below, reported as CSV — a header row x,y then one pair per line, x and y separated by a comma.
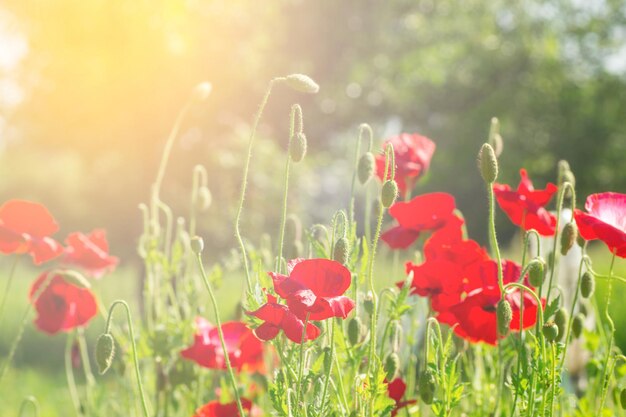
x,y
587,284
561,317
568,237
368,303
341,251
577,325
105,352
297,149
426,386
396,335
365,168
536,269
204,198
355,331
392,366
389,193
550,331
504,315
197,245
202,91
488,163
302,83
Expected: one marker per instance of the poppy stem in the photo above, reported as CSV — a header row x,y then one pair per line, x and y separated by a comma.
x,y
134,347
571,313
606,376
69,374
33,402
301,361
330,368
220,333
364,127
493,237
8,286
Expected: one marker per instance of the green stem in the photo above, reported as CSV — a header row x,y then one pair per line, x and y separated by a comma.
x,y
7,288
553,349
571,313
33,402
493,237
330,368
69,374
301,361
606,377
220,333
364,127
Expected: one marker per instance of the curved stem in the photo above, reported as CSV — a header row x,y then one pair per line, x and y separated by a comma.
x,y
220,333
527,240
134,347
33,402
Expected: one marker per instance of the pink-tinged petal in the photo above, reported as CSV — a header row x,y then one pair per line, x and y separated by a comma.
x,y
324,277
592,228
609,207
424,212
28,217
399,237
292,264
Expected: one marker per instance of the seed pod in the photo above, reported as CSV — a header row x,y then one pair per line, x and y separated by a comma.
x,y
488,163
365,168
577,325
392,366
368,303
297,149
561,317
197,245
550,331
341,251
622,398
587,285
302,83
389,193
426,386
568,237
204,199
396,335
504,315
536,269
355,331
105,352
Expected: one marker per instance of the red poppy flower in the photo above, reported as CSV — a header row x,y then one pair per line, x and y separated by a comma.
x,y
90,252
525,206
605,220
217,409
61,306
396,390
278,317
485,274
245,351
315,288
413,153
25,227
441,280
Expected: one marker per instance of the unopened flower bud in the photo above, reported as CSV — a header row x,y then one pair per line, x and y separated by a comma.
x,y
392,366
341,251
535,271
426,386
561,317
297,149
622,398
366,167
368,303
202,91
389,193
396,335
302,83
577,325
105,352
197,245
504,316
204,198
550,331
355,331
568,237
488,163
587,285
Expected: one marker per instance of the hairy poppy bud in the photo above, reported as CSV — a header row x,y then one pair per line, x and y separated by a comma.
x,y
577,325
488,163
297,148
341,251
587,285
389,193
535,271
622,398
355,331
392,365
396,335
105,352
426,386
204,198
368,303
302,83
197,245
561,317
365,169
504,315
568,237
202,91
550,331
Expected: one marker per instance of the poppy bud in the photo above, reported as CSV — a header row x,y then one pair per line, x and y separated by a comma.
x,y
197,245
355,331
582,308
297,148
389,193
568,237
577,325
550,331
396,335
580,240
488,163
622,398
302,83
340,252
365,169
561,317
204,198
105,352
504,315
426,386
392,366
535,271
587,285
202,91
368,303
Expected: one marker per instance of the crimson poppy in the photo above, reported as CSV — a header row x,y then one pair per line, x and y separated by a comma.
x,y
314,288
412,153
441,280
525,206
485,274
396,390
605,220
26,227
60,305
217,409
245,351
90,252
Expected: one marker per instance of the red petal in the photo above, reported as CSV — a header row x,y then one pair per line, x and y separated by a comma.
x,y
27,217
326,278
266,331
424,212
399,237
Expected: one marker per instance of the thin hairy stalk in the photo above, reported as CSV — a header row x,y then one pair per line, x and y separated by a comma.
x,y
571,312
493,237
605,374
330,368
69,374
131,331
364,127
34,404
7,288
86,365
301,359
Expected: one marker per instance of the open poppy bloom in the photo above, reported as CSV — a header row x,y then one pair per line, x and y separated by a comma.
x,y
440,280
278,317
61,306
412,153
217,409
314,288
245,351
90,252
25,227
525,206
396,390
605,220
